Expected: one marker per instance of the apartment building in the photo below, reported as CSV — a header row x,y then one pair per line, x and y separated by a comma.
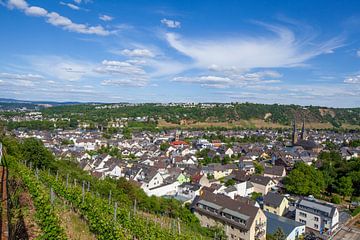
x,y
319,216
240,220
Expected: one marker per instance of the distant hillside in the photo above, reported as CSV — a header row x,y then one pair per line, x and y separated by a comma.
x,y
234,113
50,103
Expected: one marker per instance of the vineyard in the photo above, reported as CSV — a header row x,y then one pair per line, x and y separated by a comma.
x,y
48,198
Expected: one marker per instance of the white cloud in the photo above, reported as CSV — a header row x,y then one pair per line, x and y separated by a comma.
x,y
63,68
18,79
233,80
64,22
358,53
171,23
19,4
36,11
118,67
137,53
16,76
353,79
125,82
105,17
120,73
56,19
282,49
70,5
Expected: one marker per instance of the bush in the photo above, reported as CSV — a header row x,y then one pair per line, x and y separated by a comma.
x,y
336,199
356,211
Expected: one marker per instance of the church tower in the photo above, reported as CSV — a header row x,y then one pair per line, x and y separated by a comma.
x,y
294,137
302,135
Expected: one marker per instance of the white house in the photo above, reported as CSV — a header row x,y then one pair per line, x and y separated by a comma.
x,y
319,216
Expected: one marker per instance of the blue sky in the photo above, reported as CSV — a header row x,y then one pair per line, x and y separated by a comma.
x,y
298,52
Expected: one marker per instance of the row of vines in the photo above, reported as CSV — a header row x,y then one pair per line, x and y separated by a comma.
x,y
104,220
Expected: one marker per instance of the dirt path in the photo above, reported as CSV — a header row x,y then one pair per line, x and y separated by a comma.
x,y
27,215
75,227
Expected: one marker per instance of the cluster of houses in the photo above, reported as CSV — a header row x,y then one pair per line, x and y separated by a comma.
x,y
218,194
176,173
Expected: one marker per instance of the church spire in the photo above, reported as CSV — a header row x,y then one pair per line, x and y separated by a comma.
x,y
294,133
302,135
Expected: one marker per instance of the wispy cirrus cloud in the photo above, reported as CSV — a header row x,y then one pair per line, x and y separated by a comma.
x,y
56,19
281,49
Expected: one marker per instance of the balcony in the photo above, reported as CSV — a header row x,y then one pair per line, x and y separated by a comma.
x,y
260,234
260,225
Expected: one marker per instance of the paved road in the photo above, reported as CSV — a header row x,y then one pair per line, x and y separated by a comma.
x,y
348,234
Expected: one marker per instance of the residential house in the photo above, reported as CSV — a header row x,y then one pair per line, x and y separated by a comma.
x,y
262,184
276,203
319,216
238,219
275,172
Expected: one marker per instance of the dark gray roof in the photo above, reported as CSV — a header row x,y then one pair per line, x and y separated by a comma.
x,y
273,199
274,170
275,221
243,213
317,207
260,180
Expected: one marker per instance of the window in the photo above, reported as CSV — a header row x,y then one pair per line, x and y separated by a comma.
x,y
302,214
302,221
316,219
316,226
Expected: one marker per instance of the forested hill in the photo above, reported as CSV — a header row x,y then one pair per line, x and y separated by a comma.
x,y
187,114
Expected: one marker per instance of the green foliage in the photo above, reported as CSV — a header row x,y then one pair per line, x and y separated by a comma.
x,y
127,133
164,146
354,143
340,175
230,182
336,199
356,211
345,186
279,234
305,180
255,195
48,221
330,145
259,169
34,151
282,114
67,142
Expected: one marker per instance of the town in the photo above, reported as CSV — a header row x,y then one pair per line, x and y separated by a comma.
x,y
236,179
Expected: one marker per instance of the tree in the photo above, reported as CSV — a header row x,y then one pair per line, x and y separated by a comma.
x,y
230,182
34,151
279,234
127,133
259,169
305,180
164,146
255,195
345,187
